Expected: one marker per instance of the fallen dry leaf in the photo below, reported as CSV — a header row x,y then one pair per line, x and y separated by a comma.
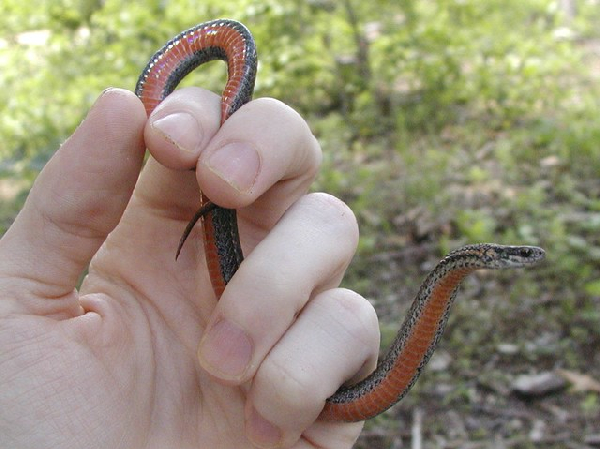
x,y
580,382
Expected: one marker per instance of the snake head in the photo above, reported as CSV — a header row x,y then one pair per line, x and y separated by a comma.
x,y
504,256
494,256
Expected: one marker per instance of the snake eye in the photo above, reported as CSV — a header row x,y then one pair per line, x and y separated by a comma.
x,y
488,258
525,252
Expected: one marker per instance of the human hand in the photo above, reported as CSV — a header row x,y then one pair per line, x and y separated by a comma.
x,y
116,364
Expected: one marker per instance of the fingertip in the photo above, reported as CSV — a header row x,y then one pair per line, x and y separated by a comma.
x,y
238,163
263,143
122,108
104,143
182,126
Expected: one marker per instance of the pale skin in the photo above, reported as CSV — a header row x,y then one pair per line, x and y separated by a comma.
x,y
142,355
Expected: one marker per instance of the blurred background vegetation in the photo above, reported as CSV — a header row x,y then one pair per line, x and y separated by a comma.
x,y
442,122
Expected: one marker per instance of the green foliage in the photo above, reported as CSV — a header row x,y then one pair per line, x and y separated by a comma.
x,y
432,61
476,225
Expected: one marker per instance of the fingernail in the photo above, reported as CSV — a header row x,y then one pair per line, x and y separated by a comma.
x,y
236,163
261,432
225,350
181,129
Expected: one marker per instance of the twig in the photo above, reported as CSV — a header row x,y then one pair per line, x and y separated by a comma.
x,y
416,429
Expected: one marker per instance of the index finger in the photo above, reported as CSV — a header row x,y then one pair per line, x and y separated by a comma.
x,y
264,156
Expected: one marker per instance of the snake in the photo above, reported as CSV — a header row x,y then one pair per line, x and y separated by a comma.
x,y
398,370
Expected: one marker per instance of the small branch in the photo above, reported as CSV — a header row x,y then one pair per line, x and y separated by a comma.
x,y
416,433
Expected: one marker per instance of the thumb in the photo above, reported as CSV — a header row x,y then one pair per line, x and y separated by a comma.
x,y
77,199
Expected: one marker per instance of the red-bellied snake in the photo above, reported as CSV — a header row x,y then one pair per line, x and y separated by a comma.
x,y
425,321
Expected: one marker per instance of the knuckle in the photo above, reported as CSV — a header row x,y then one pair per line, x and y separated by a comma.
x,y
285,385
